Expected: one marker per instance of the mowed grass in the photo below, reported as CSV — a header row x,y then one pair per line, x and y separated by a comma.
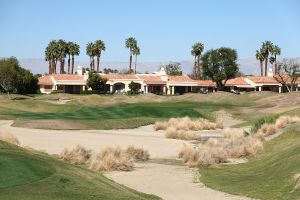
x,y
268,176
29,175
124,115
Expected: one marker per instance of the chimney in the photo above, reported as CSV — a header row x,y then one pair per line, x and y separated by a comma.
x,y
79,70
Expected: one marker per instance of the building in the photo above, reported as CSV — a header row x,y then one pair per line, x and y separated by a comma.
x,y
157,83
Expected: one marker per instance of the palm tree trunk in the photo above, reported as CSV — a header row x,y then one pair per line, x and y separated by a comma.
x,y
261,68
130,61
135,64
69,64
266,65
72,64
91,63
195,68
62,66
98,62
198,68
50,67
275,64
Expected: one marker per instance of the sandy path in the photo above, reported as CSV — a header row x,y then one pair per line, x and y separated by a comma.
x,y
162,175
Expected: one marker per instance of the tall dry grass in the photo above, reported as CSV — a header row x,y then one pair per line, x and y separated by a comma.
x,y
111,159
187,124
174,133
297,181
10,138
137,153
75,155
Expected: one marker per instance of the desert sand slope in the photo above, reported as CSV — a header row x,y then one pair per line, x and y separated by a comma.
x,y
162,175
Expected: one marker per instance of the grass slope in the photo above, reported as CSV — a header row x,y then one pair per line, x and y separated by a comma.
x,y
28,175
268,176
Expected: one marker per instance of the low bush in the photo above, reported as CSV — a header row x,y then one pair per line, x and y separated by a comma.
x,y
138,153
174,133
76,155
10,138
262,120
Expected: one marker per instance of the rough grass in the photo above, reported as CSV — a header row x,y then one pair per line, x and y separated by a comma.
x,y
297,181
31,175
10,138
108,159
75,155
268,176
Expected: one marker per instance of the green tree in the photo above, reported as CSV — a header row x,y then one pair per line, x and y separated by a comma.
x,y
261,57
74,50
267,47
276,51
196,51
52,55
220,65
109,70
134,87
99,47
136,51
173,69
90,51
95,81
130,43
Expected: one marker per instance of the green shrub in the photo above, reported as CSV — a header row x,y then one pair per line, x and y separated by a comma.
x,y
262,120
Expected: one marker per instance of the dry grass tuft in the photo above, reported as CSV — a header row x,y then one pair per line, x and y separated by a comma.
x,y
268,129
138,153
10,138
233,133
297,180
76,155
180,134
160,126
111,159
282,121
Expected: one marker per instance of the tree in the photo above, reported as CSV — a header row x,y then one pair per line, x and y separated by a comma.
x,y
197,49
52,55
173,69
109,70
98,47
288,74
74,50
130,43
15,79
134,87
95,81
62,52
260,56
266,49
220,65
136,52
276,51
90,52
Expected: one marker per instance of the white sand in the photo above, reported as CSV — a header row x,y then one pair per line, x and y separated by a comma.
x,y
169,181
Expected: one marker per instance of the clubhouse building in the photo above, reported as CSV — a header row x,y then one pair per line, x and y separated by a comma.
x,y
157,83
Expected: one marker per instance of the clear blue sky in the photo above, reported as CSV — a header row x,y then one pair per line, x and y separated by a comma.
x,y
165,29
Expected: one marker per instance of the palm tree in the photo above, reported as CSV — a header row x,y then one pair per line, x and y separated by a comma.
x,y
196,51
74,50
260,56
267,47
52,55
136,52
69,44
62,51
130,43
99,47
90,52
276,51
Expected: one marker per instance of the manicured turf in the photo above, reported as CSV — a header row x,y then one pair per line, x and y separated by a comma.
x,y
268,176
27,175
117,116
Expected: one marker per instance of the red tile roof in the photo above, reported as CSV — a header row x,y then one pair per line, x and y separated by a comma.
x,y
180,79
45,80
262,79
119,76
208,83
67,77
286,78
236,81
151,79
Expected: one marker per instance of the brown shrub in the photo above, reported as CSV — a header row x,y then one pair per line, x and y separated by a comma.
x,y
180,134
138,153
10,138
282,121
160,126
76,155
111,159
268,129
231,133
219,123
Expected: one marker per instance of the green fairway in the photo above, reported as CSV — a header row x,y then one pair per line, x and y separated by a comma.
x,y
27,175
268,176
